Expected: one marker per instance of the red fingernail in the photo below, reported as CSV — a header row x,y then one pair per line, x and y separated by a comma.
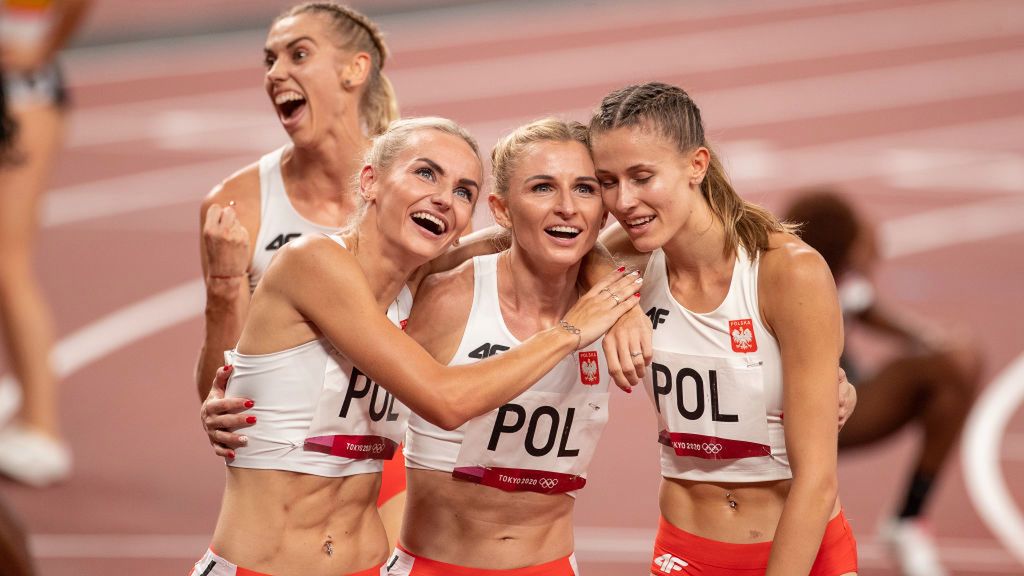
x,y
637,294
231,455
249,404
228,368
250,419
620,269
629,390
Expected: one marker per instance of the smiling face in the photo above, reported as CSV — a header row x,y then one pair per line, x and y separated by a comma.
x,y
553,203
304,76
424,196
647,184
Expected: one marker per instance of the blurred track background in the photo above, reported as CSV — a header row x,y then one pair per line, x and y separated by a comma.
x,y
915,107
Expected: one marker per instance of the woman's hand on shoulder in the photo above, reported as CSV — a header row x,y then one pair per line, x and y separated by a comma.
x,y
597,310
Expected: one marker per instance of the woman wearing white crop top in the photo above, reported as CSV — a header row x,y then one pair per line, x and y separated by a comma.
x,y
496,496
747,337
284,513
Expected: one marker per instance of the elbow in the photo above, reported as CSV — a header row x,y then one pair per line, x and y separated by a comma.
x,y
445,412
820,485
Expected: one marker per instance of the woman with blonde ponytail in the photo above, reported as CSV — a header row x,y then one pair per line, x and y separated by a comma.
x,y
747,331
324,78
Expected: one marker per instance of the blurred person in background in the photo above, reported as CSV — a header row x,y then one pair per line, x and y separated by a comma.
x,y
32,32
930,383
14,556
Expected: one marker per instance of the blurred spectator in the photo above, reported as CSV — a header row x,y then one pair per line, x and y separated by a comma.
x,y
32,450
930,383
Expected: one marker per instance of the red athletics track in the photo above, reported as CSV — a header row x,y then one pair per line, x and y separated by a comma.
x,y
916,106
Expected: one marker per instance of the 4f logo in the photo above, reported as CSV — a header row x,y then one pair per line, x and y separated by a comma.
x,y
657,316
668,563
741,332
281,240
486,350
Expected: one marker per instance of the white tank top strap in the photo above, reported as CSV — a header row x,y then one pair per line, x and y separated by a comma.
x,y
715,382
279,221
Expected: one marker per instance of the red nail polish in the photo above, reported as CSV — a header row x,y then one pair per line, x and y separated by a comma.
x,y
620,269
629,390
249,404
231,455
228,368
250,419
637,294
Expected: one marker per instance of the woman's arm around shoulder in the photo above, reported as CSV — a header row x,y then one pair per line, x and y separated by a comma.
x,y
799,303
325,284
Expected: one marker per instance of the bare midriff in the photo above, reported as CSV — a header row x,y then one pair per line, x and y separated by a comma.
x,y
280,522
472,525
726,512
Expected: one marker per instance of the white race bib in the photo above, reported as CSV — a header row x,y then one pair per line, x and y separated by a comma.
x,y
708,407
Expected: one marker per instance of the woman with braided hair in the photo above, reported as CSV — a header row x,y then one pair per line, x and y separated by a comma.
x,y
747,338
324,77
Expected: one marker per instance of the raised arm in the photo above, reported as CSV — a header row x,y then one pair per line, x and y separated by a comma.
x,y
799,302
334,295
226,217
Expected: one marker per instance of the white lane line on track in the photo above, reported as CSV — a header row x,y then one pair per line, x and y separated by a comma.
x,y
980,453
135,192
930,230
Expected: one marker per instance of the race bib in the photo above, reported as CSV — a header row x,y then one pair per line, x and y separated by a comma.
x,y
708,407
540,442
356,418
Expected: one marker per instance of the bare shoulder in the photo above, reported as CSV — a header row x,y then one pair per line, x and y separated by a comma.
x,y
789,262
446,293
441,310
242,188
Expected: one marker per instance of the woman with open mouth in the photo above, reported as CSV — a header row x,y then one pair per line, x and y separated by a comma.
x,y
329,370
496,496
324,77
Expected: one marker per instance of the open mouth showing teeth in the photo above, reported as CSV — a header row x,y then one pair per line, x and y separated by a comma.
x,y
430,223
564,232
640,221
289,104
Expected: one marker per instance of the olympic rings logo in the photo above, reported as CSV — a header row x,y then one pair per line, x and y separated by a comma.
x,y
710,448
548,483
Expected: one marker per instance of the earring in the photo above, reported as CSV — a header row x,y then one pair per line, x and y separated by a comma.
x,y
456,243
347,83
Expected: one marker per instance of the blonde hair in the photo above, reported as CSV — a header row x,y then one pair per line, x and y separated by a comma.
x,y
669,111
377,106
508,150
395,139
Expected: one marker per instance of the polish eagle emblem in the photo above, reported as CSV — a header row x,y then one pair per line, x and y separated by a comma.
x,y
589,368
742,332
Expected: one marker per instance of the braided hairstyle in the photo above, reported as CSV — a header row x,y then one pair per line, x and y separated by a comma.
x,y
378,106
669,111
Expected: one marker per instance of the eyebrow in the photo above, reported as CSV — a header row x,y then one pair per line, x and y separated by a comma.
x,y
437,168
267,50
546,177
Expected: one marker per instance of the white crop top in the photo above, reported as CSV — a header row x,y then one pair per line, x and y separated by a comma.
x,y
541,441
279,221
715,382
298,420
